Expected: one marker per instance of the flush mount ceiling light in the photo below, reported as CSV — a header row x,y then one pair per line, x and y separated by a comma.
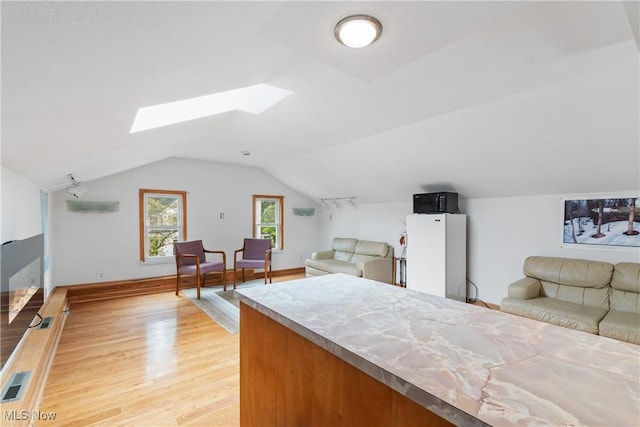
x,y
252,99
358,30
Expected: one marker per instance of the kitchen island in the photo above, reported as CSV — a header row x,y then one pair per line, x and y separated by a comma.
x,y
342,350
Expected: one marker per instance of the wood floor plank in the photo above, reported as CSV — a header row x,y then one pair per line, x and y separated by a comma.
x,y
144,360
147,360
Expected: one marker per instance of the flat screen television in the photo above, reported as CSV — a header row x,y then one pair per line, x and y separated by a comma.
x,y
22,290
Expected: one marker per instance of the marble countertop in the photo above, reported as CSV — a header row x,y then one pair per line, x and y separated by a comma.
x,y
468,364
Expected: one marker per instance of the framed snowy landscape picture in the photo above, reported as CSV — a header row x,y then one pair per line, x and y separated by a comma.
x,y
612,222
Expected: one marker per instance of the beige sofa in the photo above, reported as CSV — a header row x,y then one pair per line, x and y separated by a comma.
x,y
362,258
590,296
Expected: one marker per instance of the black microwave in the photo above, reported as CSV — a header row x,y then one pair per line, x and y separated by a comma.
x,y
430,203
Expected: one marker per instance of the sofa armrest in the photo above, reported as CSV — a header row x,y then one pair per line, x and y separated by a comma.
x,y
379,269
525,288
323,254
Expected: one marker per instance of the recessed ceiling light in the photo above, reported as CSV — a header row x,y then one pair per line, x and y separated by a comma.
x,y
246,153
358,30
252,99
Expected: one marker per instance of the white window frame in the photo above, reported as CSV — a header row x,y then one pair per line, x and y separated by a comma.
x,y
279,220
144,194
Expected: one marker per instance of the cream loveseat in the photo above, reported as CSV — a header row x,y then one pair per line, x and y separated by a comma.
x,y
590,296
362,258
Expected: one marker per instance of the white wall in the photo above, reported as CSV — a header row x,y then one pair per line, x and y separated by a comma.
x,y
86,244
22,214
20,207
383,222
502,232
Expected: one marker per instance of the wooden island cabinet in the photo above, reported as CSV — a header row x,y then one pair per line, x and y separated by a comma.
x,y
286,380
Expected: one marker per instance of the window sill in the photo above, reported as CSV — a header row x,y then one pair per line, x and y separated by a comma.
x,y
158,261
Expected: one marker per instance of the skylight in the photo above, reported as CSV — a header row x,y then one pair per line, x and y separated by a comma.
x,y
252,99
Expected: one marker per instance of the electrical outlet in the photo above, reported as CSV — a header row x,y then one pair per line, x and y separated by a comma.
x,y
100,275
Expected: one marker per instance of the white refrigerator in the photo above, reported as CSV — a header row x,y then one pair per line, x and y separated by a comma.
x,y
437,254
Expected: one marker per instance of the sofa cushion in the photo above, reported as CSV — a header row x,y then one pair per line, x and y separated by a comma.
x,y
626,277
375,249
562,313
621,325
572,272
593,297
343,248
625,287
334,266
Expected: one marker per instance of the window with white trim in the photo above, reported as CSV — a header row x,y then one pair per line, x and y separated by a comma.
x,y
163,220
268,219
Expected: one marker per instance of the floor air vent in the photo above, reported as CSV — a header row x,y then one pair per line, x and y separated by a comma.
x,y
15,387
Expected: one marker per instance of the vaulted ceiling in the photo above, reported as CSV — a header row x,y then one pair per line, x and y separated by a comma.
x,y
489,99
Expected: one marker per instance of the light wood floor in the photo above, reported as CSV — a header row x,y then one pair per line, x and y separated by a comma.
x,y
152,360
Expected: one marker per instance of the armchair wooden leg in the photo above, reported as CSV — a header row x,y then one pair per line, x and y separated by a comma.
x,y
235,275
198,286
177,284
224,279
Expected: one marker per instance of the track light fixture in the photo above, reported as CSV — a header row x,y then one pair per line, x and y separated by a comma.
x,y
337,201
76,189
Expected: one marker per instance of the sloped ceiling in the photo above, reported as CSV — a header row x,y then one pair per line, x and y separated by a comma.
x,y
489,99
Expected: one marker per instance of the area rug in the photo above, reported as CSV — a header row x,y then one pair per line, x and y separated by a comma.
x,y
229,294
221,306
